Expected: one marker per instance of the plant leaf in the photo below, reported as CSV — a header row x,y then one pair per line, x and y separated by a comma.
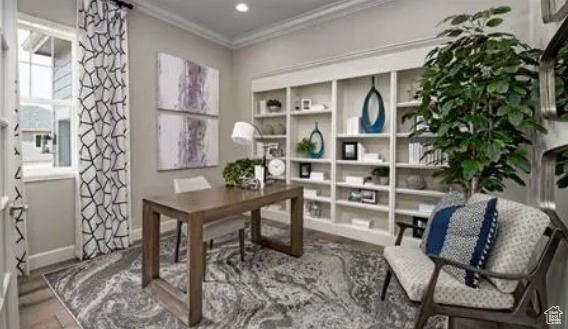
x,y
460,19
494,22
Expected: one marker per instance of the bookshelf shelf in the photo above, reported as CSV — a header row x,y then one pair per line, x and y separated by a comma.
x,y
270,115
360,205
380,188
363,163
342,89
310,112
310,160
310,181
269,137
362,136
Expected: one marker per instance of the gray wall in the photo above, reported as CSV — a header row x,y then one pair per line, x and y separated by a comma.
x,y
147,36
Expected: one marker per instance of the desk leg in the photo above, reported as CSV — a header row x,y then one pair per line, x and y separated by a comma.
x,y
255,236
297,226
195,268
151,245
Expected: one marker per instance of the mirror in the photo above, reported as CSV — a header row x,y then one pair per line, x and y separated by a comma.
x,y
553,76
554,10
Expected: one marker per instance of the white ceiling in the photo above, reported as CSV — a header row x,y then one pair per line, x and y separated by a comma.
x,y
219,21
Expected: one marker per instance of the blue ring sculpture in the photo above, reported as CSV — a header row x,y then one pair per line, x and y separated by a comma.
x,y
368,126
319,153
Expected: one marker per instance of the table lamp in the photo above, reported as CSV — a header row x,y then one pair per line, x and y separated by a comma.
x,y
243,134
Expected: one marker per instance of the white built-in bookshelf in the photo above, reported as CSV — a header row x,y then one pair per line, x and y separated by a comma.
x,y
342,87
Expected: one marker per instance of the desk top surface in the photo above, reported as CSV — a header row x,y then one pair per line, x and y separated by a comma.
x,y
221,197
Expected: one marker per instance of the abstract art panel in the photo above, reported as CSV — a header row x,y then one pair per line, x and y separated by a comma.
x,y
187,142
186,86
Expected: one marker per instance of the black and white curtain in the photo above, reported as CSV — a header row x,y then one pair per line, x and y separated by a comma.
x,y
103,128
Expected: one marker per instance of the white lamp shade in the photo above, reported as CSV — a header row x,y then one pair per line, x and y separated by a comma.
x,y
243,133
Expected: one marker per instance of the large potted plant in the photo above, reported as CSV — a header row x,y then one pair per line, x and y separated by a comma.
x,y
475,93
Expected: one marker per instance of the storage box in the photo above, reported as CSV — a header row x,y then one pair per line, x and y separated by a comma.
x,y
355,180
361,223
316,175
309,193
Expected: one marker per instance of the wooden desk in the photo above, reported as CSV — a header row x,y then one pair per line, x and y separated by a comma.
x,y
196,209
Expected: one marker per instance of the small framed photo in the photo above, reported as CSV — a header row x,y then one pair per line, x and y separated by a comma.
x,y
369,196
349,151
305,170
354,195
306,104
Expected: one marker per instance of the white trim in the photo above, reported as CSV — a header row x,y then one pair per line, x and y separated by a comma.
x,y
311,18
43,25
51,257
165,226
39,175
376,51
314,17
127,147
156,11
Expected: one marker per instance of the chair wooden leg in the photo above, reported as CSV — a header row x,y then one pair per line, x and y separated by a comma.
x,y
386,284
178,241
422,318
242,244
204,259
210,244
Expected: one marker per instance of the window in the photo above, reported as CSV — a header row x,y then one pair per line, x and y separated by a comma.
x,y
46,87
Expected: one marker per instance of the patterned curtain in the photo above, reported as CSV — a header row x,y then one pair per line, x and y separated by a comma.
x,y
103,176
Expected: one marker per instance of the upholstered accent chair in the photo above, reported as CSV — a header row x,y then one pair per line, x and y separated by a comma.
x,y
512,288
212,230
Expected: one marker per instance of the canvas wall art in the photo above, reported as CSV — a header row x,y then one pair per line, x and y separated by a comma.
x,y
186,86
187,142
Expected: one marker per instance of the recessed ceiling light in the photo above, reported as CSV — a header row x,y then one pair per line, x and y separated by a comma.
x,y
242,7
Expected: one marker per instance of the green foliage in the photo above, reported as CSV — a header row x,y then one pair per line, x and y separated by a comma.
x,y
561,73
380,172
274,102
234,170
475,93
562,170
305,146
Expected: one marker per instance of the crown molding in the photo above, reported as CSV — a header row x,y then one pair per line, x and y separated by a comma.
x,y
311,18
431,41
317,16
156,11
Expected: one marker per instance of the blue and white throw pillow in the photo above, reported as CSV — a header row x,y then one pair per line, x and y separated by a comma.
x,y
452,198
463,233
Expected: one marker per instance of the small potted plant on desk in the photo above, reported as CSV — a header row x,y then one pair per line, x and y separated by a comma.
x,y
381,175
305,147
234,171
274,105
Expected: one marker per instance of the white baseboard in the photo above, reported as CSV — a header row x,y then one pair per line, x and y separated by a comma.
x,y
165,226
51,257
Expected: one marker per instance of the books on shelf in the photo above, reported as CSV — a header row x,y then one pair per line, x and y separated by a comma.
x,y
353,126
420,154
361,223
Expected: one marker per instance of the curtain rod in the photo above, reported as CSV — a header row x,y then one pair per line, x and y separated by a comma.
x,y
124,4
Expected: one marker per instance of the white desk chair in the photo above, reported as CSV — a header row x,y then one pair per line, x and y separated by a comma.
x,y
212,230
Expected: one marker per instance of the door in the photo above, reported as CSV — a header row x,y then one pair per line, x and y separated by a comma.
x,y
10,178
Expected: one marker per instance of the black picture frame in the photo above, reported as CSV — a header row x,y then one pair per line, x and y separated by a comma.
x,y
369,196
349,151
305,170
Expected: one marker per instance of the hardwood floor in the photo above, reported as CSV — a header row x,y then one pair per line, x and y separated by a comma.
x,y
40,308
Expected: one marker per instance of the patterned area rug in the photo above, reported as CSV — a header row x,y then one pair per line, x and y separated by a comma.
x,y
332,286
